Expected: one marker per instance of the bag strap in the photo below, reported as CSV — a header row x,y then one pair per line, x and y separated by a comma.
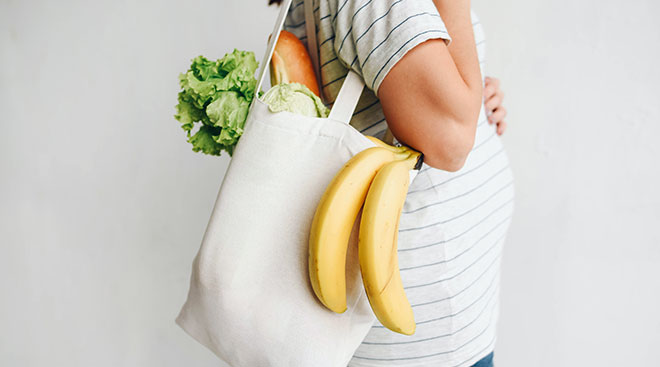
x,y
272,41
312,48
348,97
349,94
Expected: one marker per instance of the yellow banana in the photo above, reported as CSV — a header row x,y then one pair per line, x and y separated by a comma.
x,y
333,222
381,143
377,246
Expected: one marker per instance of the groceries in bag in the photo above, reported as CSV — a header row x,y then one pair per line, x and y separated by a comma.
x,y
216,95
291,63
215,98
294,85
375,180
295,98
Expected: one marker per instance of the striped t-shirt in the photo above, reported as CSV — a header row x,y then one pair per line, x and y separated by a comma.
x,y
453,224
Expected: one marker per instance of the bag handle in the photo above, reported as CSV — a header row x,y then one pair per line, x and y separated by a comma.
x,y
275,35
312,49
349,94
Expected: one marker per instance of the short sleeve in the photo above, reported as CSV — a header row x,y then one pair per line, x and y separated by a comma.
x,y
372,36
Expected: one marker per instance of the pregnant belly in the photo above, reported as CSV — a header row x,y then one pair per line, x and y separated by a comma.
x,y
447,213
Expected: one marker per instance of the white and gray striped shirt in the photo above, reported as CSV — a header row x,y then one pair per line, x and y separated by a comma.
x,y
453,224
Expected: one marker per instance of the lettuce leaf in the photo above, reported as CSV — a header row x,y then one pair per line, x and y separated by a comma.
x,y
216,96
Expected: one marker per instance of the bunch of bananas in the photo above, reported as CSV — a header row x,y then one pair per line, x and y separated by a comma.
x,y
375,180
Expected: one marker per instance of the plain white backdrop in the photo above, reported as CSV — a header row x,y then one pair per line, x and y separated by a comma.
x,y
103,204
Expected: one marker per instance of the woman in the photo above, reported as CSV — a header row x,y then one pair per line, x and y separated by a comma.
x,y
422,62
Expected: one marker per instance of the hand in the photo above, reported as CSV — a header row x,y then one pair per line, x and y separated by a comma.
x,y
493,96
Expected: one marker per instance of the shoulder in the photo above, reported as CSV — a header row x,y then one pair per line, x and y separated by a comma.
x,y
372,35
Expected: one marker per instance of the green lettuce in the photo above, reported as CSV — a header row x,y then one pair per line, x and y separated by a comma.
x,y
295,98
216,96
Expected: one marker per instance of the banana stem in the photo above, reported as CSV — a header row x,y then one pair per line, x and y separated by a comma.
x,y
413,159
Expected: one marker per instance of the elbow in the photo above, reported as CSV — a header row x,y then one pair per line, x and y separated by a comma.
x,y
450,152
450,161
444,130
455,163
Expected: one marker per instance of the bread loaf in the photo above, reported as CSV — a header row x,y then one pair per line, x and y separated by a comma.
x,y
291,63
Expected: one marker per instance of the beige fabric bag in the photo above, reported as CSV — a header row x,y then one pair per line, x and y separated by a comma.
x,y
250,299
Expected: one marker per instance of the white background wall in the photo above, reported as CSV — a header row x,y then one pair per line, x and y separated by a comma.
x,y
103,204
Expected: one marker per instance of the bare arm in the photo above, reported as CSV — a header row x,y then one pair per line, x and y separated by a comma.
x,y
431,98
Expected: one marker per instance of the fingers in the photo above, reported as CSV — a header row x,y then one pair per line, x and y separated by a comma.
x,y
493,97
495,101
501,126
493,80
491,85
497,115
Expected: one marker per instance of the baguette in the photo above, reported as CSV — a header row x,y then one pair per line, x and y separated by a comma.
x,y
291,63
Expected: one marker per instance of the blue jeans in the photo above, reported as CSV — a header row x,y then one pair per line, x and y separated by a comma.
x,y
486,361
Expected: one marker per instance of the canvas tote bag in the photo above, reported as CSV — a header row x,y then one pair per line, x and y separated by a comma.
x,y
250,299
